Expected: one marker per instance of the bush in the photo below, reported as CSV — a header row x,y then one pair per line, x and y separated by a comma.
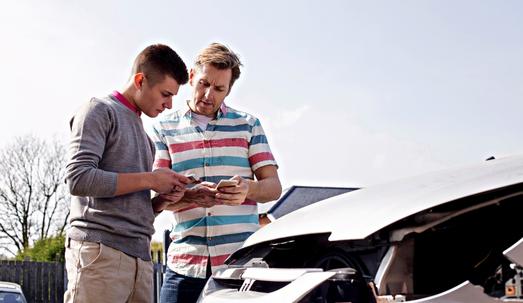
x,y
155,248
45,250
53,250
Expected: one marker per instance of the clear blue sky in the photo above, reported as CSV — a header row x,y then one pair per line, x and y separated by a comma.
x,y
349,92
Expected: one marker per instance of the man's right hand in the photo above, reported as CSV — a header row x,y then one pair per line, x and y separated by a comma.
x,y
164,181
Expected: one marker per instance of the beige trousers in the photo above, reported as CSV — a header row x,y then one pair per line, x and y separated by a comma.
x,y
98,273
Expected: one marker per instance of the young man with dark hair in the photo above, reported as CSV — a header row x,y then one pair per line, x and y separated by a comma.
x,y
110,176
215,142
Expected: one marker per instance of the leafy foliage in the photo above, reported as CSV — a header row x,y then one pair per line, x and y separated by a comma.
x,y
157,249
45,250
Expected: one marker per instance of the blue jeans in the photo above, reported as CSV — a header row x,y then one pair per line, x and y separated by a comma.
x,y
178,288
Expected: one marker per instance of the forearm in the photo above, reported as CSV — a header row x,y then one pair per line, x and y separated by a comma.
x,y
178,205
265,190
170,201
160,204
132,182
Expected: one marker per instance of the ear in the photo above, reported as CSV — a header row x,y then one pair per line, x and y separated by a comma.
x,y
138,80
191,76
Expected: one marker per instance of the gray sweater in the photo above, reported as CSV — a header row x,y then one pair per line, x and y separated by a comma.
x,y
108,138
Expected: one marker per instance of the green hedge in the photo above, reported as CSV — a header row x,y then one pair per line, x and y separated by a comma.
x,y
45,250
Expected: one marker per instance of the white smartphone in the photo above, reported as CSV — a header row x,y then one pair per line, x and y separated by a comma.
x,y
225,183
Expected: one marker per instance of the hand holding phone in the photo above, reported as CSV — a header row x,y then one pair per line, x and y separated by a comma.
x,y
232,192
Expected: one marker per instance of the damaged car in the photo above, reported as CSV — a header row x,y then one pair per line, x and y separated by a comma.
x,y
453,235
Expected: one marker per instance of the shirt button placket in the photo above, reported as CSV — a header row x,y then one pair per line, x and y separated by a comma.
x,y
209,239
204,156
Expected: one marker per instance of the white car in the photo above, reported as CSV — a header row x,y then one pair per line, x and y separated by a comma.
x,y
11,293
449,236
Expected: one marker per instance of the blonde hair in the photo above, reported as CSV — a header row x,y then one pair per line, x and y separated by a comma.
x,y
221,57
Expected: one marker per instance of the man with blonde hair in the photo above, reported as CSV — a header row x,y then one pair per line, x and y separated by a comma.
x,y
214,142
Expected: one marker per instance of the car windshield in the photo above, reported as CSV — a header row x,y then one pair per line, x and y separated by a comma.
x,y
11,297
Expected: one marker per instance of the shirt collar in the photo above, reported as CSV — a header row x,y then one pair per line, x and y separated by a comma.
x,y
222,111
126,102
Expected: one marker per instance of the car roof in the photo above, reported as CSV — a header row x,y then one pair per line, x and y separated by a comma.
x,y
9,286
358,214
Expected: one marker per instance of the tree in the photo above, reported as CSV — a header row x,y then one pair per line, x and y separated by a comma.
x,y
34,201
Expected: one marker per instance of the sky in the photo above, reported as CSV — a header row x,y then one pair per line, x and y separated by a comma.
x,y
350,93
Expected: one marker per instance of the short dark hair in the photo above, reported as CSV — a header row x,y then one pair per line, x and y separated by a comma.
x,y
158,60
221,57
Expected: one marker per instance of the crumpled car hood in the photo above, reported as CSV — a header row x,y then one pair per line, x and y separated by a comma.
x,y
358,214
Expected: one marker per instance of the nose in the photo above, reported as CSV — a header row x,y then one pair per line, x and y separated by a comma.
x,y
169,103
208,93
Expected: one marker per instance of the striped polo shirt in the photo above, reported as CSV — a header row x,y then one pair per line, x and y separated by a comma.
x,y
232,144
